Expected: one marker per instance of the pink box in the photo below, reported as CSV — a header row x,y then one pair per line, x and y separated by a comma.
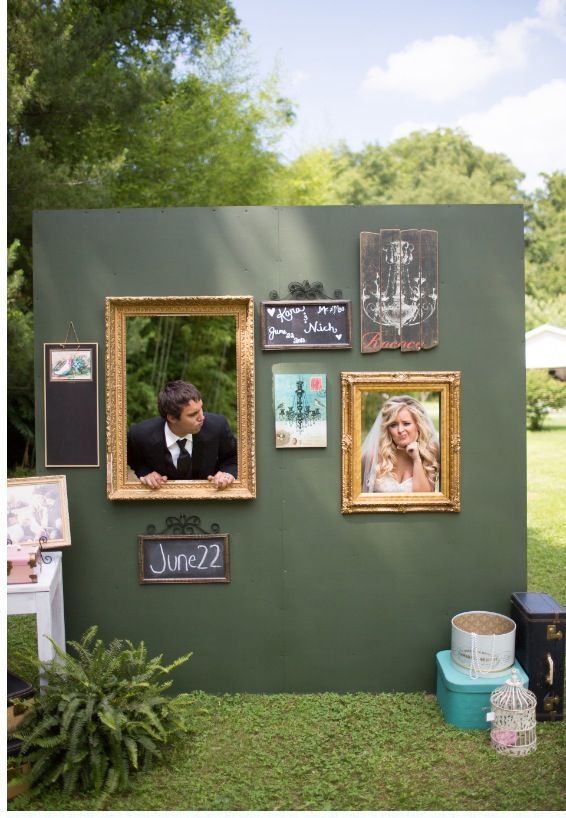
x,y
24,563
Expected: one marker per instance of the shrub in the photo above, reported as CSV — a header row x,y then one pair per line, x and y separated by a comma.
x,y
101,716
543,394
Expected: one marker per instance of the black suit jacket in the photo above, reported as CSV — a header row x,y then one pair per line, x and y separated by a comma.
x,y
214,449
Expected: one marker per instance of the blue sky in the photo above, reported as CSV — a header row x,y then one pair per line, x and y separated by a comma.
x,y
368,71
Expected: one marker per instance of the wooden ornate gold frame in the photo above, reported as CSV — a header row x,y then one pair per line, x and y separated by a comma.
x,y
19,498
120,308
354,385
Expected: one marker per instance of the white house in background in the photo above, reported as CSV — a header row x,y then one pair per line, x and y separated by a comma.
x,y
545,348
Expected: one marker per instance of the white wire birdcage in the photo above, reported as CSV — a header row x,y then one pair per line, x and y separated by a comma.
x,y
513,728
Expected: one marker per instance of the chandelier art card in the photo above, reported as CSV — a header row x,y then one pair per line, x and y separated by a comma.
x,y
300,410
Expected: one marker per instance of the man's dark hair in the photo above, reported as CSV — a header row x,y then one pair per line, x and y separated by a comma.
x,y
174,396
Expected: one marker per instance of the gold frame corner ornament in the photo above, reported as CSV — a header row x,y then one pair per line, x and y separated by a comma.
x,y
447,385
117,309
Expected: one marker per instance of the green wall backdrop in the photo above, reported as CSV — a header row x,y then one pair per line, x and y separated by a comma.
x,y
318,601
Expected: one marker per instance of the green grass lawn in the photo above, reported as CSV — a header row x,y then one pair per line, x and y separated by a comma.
x,y
361,751
337,752
546,504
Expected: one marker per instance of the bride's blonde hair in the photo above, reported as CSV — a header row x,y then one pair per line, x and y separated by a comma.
x,y
379,446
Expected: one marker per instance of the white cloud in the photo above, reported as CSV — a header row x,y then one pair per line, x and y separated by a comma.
x,y
551,9
448,66
438,70
298,78
552,17
409,125
528,129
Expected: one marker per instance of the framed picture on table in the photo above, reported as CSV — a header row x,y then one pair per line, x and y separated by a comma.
x,y
37,511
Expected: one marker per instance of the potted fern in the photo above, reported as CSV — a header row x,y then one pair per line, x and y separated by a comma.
x,y
102,716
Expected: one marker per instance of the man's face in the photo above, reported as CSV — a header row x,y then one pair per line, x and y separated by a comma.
x,y
189,421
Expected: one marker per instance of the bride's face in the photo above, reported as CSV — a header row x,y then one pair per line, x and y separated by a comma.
x,y
403,430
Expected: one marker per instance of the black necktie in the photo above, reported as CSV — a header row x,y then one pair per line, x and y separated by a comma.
x,y
184,461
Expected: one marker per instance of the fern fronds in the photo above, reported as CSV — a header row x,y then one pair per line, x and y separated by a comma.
x,y
101,717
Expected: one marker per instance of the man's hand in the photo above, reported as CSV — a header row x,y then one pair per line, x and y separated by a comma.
x,y
153,480
221,479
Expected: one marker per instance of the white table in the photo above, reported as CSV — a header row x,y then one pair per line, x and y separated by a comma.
x,y
43,598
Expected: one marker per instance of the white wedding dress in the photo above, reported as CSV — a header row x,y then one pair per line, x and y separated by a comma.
x,y
388,485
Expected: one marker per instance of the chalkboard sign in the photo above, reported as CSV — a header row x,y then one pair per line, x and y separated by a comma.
x,y
184,558
306,324
71,404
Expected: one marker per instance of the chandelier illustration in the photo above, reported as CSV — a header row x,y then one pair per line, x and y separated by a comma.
x,y
399,289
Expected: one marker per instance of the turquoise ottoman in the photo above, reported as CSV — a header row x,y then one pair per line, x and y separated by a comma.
x,y
465,702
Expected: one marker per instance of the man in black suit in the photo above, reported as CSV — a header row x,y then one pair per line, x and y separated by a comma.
x,y
184,443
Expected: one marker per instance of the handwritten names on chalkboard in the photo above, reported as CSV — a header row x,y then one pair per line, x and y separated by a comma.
x,y
306,324
184,558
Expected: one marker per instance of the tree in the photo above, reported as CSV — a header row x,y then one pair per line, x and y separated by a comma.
x,y
440,167
309,180
80,73
200,349
544,393
210,142
547,311
445,167
20,398
545,240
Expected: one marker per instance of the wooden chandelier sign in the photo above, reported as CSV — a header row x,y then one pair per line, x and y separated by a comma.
x,y
399,290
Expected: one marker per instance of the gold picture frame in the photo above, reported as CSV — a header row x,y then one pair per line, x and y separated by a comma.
x,y
361,393
121,483
38,511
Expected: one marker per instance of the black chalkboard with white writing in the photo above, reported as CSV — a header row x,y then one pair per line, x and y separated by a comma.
x,y
306,324
184,558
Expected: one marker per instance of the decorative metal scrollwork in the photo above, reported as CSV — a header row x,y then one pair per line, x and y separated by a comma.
x,y
46,558
183,525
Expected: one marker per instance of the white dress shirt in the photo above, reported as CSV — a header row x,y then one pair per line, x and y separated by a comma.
x,y
171,443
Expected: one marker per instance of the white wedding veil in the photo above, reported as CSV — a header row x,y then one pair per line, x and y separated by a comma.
x,y
369,454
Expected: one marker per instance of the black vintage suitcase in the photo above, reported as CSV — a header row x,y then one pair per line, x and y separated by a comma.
x,y
539,647
16,770
17,689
